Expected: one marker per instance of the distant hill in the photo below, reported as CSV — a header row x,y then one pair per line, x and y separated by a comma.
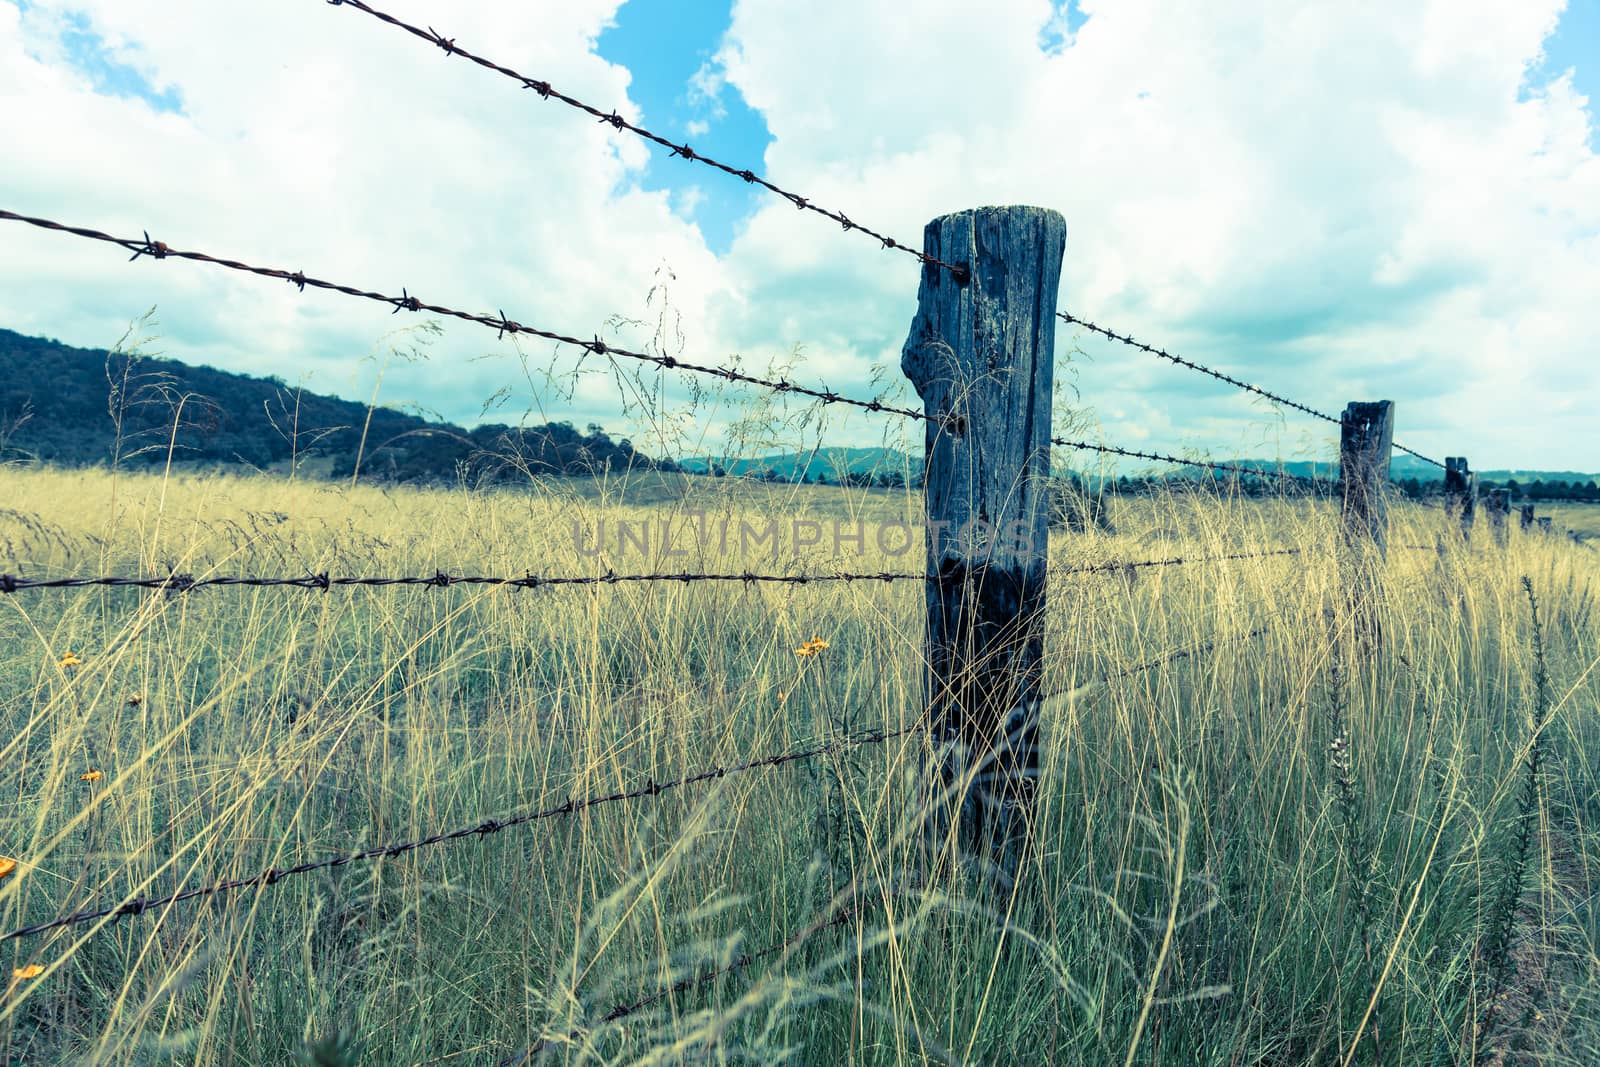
x,y
825,464
1403,466
830,463
79,407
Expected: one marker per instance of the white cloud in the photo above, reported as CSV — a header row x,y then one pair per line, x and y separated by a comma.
x,y
1343,201
318,139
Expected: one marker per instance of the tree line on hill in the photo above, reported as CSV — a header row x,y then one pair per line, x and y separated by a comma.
x,y
81,407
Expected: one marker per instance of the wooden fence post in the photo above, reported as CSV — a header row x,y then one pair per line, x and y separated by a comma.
x,y
1525,517
1366,441
1546,524
981,355
1460,492
1497,502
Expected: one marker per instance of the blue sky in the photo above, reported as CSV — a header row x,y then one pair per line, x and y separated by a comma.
x,y
1575,46
665,44
88,53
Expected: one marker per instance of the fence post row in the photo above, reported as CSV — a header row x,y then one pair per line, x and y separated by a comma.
x,y
981,355
1498,503
1460,492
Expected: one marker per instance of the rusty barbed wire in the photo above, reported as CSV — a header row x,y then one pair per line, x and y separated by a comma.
x,y
274,875
1276,398
547,91
498,322
960,271
186,583
503,325
1112,335
1226,468
621,1011
1123,566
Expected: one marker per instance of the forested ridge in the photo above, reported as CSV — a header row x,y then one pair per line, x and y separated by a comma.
x,y
82,407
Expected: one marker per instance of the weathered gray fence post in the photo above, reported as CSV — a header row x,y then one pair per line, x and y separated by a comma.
x,y
1460,492
1497,502
1366,441
1525,517
981,355
1546,524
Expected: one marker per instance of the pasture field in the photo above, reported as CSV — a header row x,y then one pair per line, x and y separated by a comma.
x,y
1256,842
1581,519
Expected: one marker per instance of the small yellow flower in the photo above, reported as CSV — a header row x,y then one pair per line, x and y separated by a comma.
x,y
7,865
811,647
71,660
782,697
32,970
91,776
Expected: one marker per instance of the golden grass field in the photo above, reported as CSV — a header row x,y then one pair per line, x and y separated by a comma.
x,y
1276,851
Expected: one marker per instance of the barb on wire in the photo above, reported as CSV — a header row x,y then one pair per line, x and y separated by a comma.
x,y
1162,353
497,322
1112,335
274,875
1226,468
186,583
1123,566
611,118
1398,447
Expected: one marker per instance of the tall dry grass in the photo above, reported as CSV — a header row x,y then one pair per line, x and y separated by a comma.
x,y
1277,850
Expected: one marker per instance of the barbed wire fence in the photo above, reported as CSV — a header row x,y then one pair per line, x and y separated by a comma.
x,y
184,583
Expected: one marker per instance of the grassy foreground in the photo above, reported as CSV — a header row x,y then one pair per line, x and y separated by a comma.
x,y
1275,851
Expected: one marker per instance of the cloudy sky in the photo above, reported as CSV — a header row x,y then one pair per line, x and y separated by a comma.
x,y
1339,200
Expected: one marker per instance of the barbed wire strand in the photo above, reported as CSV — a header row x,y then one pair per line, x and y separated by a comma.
x,y
185,583
503,325
1238,383
616,121
499,323
274,875
622,1011
188,583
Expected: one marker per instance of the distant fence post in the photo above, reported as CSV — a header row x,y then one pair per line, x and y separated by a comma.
x,y
1366,441
981,355
1497,502
1546,524
1460,492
